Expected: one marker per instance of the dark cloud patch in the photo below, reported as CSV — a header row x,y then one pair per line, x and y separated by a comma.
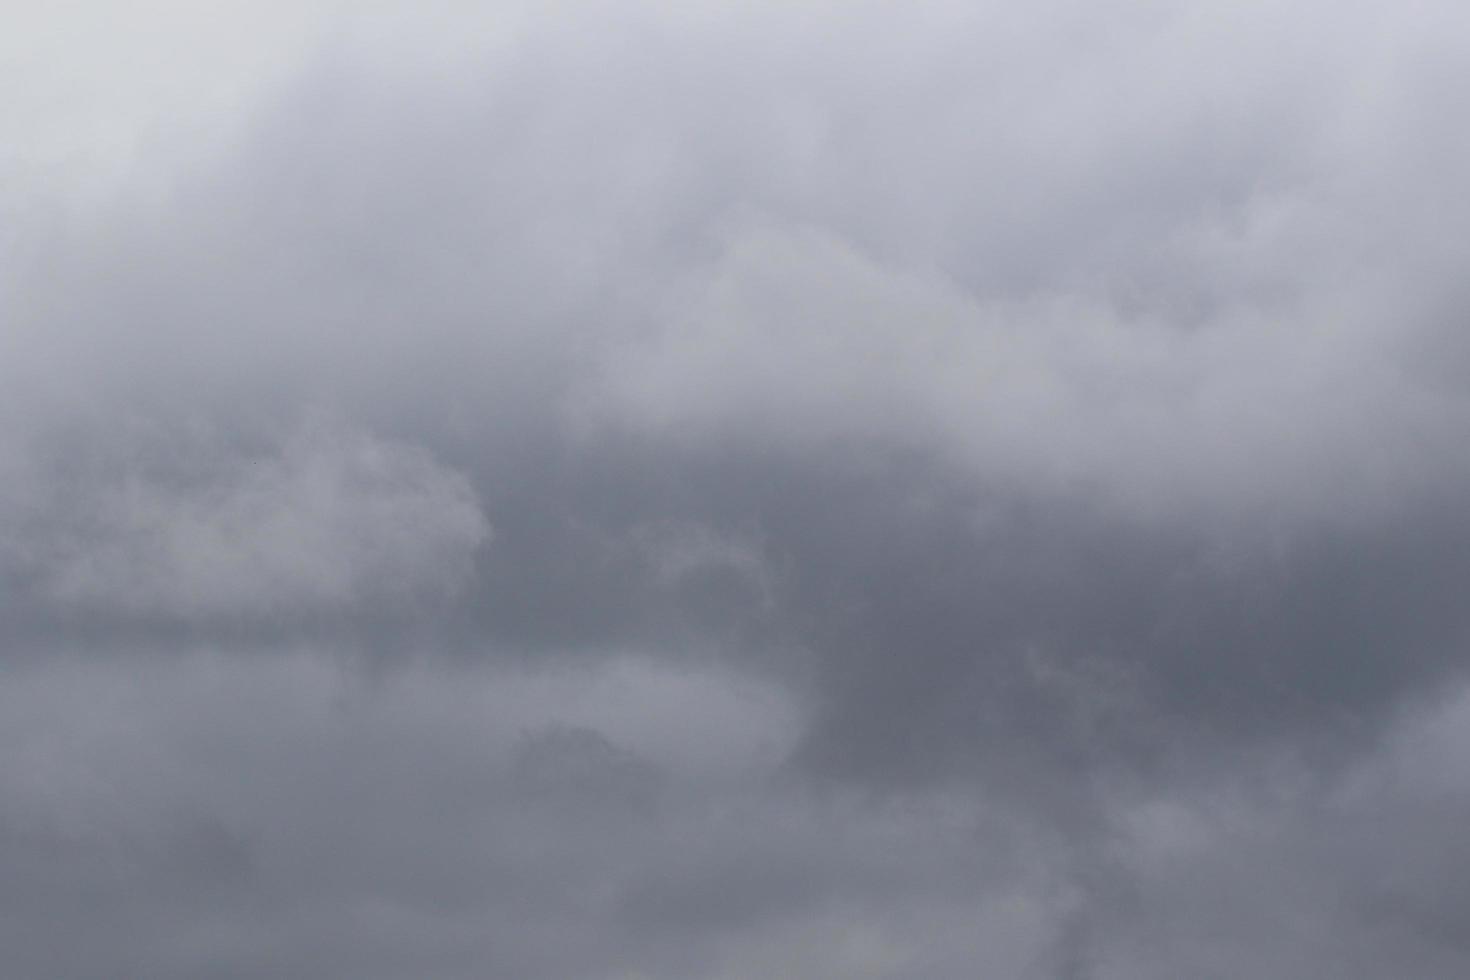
x,y
1054,633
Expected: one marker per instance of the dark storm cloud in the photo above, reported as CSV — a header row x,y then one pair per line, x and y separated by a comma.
x,y
619,491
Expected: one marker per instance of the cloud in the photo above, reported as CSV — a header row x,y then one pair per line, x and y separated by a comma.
x,y
174,524
974,490
1295,406
468,818
380,824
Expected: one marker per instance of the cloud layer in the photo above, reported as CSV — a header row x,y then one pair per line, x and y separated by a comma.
x,y
596,490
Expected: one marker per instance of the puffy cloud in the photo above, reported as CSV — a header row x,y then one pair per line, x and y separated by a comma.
x,y
794,338
178,526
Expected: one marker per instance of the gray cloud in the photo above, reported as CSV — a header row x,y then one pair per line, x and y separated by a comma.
x,y
171,524
974,491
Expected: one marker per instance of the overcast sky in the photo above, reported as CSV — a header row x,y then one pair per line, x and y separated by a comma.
x,y
629,490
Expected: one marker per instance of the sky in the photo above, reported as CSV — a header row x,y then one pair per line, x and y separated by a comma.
x,y
626,490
